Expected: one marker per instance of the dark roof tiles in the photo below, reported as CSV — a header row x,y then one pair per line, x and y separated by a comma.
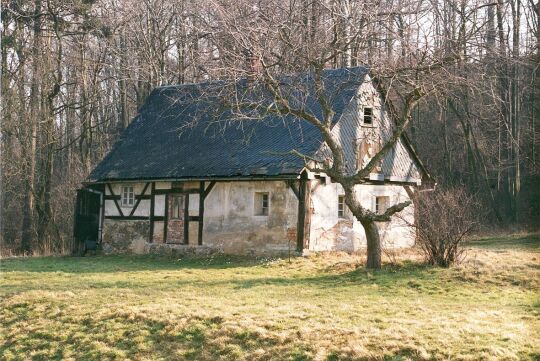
x,y
188,131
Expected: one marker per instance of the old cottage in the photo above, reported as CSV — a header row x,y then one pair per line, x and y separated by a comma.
x,y
191,173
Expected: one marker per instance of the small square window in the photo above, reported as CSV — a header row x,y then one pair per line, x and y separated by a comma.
x,y
381,204
128,196
368,115
262,204
341,206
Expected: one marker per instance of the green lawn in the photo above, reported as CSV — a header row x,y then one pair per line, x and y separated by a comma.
x,y
322,307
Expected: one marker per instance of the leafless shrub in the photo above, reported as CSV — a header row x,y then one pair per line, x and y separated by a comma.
x,y
444,218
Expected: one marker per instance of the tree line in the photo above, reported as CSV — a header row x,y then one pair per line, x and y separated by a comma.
x,y
75,72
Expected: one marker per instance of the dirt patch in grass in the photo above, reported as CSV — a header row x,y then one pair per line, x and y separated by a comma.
x,y
324,307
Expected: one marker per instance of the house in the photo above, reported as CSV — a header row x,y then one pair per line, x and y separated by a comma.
x,y
193,174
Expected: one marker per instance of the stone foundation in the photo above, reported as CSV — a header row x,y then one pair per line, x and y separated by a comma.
x,y
125,237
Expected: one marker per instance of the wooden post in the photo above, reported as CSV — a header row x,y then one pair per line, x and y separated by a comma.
x,y
303,193
166,218
201,213
151,217
186,218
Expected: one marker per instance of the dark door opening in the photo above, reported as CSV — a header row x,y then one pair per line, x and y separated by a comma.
x,y
87,220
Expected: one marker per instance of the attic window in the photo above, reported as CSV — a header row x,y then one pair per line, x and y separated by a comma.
x,y
381,204
128,196
262,204
368,115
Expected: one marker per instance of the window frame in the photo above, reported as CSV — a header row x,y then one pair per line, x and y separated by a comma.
x,y
176,197
367,116
127,199
341,206
261,209
377,206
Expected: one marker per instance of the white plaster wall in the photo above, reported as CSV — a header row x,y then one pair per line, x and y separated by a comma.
x,y
330,233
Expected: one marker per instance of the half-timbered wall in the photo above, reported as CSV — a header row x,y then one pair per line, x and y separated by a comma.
x,y
229,221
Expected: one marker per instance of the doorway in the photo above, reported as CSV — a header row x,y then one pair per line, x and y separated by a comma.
x,y
176,210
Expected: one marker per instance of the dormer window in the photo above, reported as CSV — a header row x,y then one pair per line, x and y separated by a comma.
x,y
368,115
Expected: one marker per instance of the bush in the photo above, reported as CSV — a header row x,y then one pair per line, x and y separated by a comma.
x,y
443,219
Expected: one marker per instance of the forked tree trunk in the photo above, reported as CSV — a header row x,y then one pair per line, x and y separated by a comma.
x,y
373,244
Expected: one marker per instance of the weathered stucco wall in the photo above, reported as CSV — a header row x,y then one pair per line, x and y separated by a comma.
x,y
328,232
231,223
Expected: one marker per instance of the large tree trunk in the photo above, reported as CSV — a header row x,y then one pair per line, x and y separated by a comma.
x,y
31,138
373,244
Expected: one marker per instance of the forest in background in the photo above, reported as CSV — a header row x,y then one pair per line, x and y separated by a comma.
x,y
74,73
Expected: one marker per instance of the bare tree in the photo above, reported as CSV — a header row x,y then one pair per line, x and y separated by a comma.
x,y
272,40
75,73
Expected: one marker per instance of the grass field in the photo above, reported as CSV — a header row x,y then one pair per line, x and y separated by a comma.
x,y
322,307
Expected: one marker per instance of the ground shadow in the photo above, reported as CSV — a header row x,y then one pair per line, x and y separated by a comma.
x,y
125,263
506,242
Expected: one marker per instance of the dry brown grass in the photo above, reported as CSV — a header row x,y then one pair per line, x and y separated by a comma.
x,y
325,307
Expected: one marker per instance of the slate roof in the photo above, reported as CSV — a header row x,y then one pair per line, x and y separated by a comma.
x,y
187,131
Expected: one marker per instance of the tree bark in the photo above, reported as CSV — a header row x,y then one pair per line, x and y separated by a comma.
x,y
373,244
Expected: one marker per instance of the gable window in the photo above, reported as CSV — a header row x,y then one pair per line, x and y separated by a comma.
x,y
341,207
128,196
381,204
368,115
177,204
262,204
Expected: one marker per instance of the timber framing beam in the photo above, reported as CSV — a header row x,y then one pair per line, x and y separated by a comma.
x,y
303,225
201,214
139,199
151,215
186,219
294,188
208,189
115,200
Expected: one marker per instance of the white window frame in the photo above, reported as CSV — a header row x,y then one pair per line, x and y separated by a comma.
x,y
260,209
127,195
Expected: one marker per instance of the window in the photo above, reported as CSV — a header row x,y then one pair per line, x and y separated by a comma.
x,y
128,196
177,203
261,204
341,207
381,204
368,115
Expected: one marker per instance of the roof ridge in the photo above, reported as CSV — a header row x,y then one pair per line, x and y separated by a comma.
x,y
241,79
